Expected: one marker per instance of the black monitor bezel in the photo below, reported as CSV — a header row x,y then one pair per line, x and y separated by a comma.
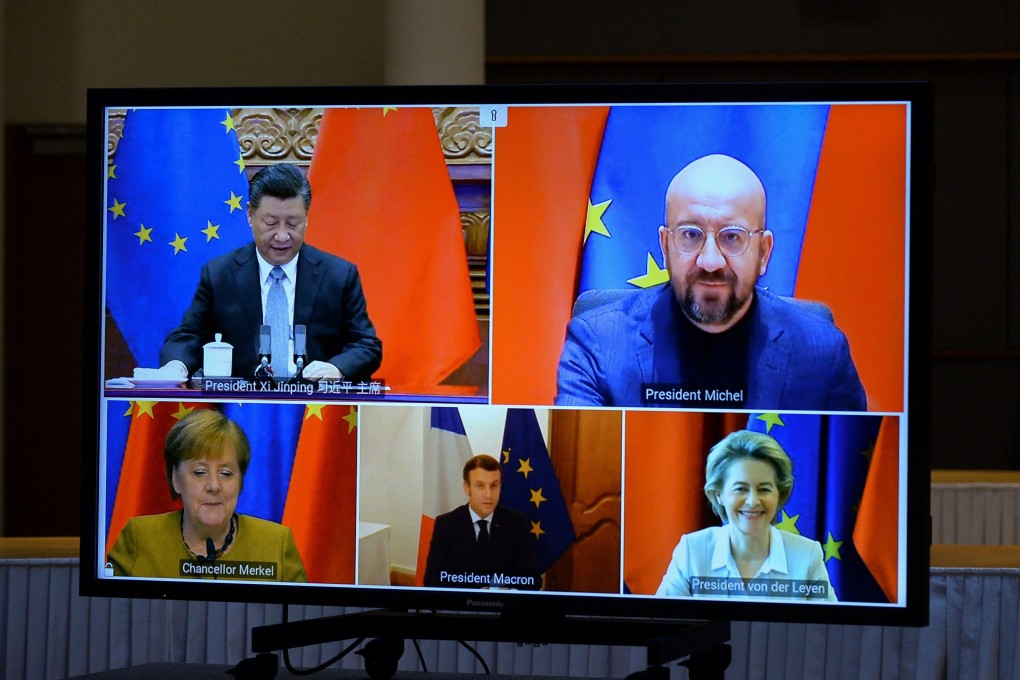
x,y
915,613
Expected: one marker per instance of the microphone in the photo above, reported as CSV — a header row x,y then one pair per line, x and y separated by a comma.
x,y
210,552
300,337
265,351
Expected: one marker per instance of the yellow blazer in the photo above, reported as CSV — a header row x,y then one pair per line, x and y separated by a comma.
x,y
152,546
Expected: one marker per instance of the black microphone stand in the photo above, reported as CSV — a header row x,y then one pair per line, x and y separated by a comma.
x,y
300,356
299,375
264,379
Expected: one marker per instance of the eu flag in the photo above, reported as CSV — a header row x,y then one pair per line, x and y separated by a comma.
x,y
530,486
645,146
831,455
174,196
272,431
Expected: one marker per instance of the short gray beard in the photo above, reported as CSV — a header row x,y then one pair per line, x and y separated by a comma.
x,y
693,311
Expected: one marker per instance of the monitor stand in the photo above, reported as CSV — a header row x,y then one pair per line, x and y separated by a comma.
x,y
666,640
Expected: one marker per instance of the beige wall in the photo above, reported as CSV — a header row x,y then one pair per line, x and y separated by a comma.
x,y
435,42
55,51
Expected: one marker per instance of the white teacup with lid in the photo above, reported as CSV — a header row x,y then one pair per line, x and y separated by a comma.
x,y
217,358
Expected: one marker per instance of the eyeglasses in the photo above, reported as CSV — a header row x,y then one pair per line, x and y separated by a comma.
x,y
732,241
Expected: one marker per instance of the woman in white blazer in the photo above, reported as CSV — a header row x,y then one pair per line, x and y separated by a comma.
x,y
748,478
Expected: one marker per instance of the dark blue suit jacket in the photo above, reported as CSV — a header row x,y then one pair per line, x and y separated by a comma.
x,y
797,359
454,549
328,300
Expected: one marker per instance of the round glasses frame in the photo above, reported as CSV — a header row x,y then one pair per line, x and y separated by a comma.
x,y
732,241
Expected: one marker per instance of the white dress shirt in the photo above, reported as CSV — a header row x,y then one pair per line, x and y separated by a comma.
x,y
792,560
474,521
289,284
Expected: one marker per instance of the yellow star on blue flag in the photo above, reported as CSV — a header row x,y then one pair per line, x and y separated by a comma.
x,y
538,497
829,477
593,223
149,289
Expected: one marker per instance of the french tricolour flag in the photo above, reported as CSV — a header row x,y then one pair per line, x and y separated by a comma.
x,y
446,450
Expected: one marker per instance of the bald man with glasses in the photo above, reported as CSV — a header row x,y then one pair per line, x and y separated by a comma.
x,y
712,338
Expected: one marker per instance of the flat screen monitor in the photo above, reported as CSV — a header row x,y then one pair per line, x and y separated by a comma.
x,y
667,343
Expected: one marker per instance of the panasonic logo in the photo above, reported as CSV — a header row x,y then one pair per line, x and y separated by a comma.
x,y
484,603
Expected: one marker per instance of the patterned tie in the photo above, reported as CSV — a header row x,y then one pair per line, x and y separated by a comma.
x,y
278,318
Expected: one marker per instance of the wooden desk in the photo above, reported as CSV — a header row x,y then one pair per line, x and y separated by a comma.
x,y
976,556
39,547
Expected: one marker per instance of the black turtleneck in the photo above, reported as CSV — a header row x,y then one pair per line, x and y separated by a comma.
x,y
714,361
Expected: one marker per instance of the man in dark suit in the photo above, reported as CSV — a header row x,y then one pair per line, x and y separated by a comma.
x,y
712,338
481,545
312,288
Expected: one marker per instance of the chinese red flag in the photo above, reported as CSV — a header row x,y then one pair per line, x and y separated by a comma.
x,y
860,198
876,533
320,507
382,198
666,454
547,158
143,489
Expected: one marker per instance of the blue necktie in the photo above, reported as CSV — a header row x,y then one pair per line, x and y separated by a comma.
x,y
278,318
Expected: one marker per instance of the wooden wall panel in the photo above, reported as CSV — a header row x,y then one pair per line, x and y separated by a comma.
x,y
44,268
586,451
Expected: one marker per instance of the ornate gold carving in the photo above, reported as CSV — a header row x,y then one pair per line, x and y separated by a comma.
x,y
114,131
272,135
476,232
462,138
476,241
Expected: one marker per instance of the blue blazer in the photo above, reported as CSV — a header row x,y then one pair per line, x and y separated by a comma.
x,y
328,300
798,359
